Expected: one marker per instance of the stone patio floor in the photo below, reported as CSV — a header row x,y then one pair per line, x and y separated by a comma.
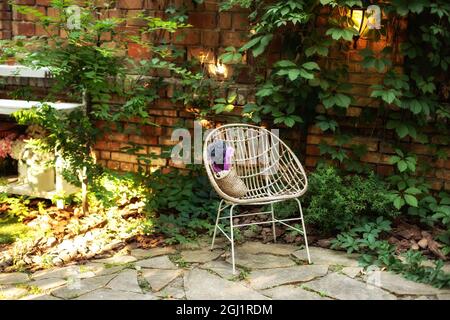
x,y
266,271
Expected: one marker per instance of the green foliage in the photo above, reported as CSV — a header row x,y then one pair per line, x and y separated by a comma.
x,y
16,207
88,69
335,201
366,240
11,229
183,202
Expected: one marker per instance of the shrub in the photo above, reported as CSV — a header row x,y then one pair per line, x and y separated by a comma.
x,y
183,202
336,202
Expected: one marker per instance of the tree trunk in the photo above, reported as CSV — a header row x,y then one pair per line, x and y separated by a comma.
x,y
84,179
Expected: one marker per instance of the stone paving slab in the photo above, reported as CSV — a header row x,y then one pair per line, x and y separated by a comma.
x,y
74,290
125,281
222,268
261,261
78,271
174,290
291,292
161,262
341,287
262,279
10,293
273,274
328,257
159,278
12,278
278,249
352,272
48,283
108,294
397,284
42,297
445,296
93,269
202,285
200,256
153,252
117,260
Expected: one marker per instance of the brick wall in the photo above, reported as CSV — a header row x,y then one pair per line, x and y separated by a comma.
x,y
213,31
5,20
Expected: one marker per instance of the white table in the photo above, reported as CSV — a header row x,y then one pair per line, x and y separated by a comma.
x,y
8,107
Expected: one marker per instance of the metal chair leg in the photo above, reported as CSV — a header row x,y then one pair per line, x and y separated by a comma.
x,y
304,230
273,224
232,239
217,222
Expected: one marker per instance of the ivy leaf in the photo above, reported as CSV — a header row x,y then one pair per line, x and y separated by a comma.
x,y
402,166
411,200
399,202
293,74
285,64
402,130
342,100
346,34
311,66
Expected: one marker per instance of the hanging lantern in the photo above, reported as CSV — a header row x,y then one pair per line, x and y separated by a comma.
x,y
363,19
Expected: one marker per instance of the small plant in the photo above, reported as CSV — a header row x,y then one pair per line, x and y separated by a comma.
x,y
366,239
243,274
184,204
179,261
335,202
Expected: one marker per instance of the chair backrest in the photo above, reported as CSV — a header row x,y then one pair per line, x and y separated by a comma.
x,y
267,166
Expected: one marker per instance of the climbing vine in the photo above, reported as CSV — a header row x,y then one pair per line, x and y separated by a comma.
x,y
408,107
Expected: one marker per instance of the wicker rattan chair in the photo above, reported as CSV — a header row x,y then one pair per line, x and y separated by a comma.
x,y
263,171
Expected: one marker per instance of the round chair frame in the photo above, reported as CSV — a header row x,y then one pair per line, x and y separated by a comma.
x,y
270,170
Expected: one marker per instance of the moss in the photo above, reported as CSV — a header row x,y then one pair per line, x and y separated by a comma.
x,y
11,230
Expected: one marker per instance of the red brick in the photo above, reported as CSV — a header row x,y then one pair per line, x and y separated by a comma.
x,y
52,12
24,28
166,121
225,20
240,21
421,149
5,25
106,155
130,4
166,141
443,174
436,185
113,165
120,137
230,38
203,20
201,54
210,38
312,150
28,2
134,20
186,37
123,157
43,2
152,130
374,157
5,15
28,17
124,166
168,113
137,51
447,186
385,170
311,161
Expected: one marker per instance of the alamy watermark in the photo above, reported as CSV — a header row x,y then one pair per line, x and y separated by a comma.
x,y
249,144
